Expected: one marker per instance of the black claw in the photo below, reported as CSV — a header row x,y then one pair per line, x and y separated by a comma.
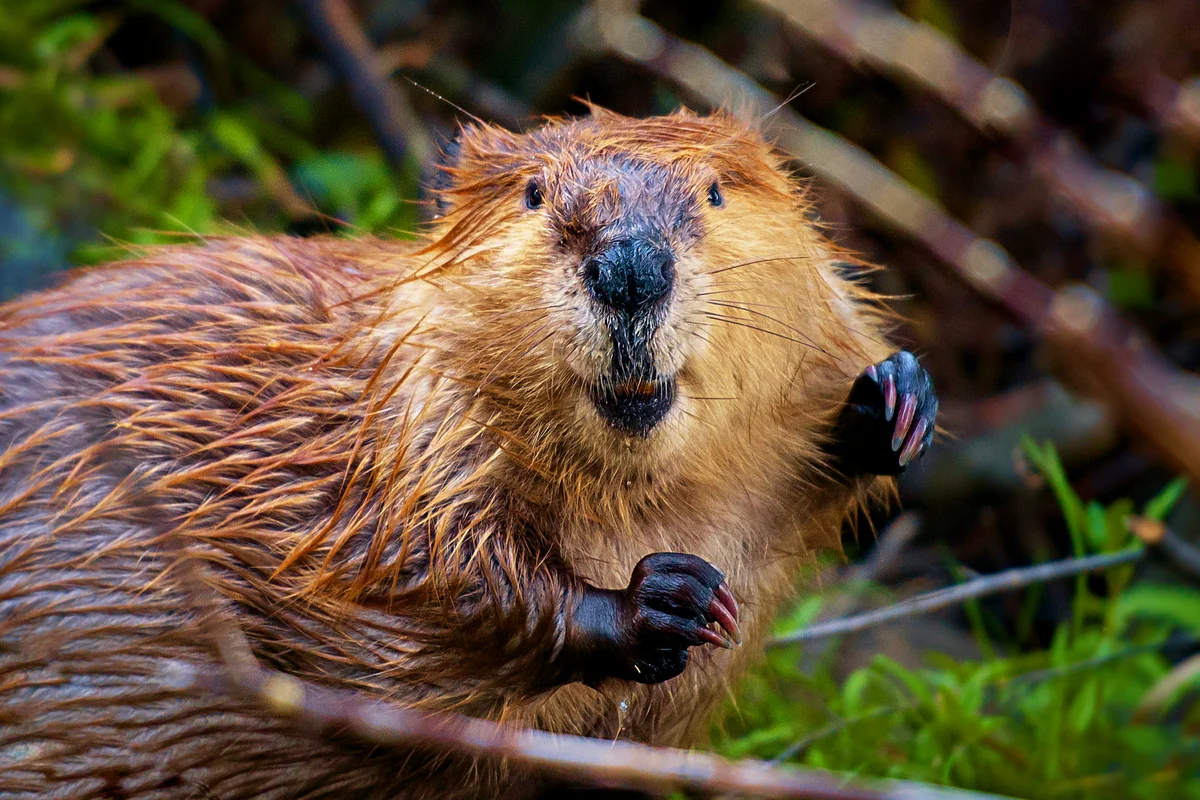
x,y
888,420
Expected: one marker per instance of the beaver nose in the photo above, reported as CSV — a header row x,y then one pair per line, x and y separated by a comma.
x,y
630,275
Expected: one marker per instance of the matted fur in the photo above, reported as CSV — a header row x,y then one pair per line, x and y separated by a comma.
x,y
385,458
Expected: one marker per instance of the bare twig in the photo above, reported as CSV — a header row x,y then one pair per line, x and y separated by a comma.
x,y
1181,552
1006,581
617,764
1096,352
892,543
1068,670
887,551
395,123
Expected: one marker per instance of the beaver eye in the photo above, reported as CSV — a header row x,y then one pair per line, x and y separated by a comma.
x,y
533,195
714,196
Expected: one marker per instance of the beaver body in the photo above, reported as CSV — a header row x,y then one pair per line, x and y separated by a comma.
x,y
433,471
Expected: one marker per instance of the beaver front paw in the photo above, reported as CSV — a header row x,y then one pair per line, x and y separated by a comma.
x,y
888,419
642,633
671,601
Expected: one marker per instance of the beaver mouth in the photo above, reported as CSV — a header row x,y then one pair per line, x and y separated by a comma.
x,y
634,406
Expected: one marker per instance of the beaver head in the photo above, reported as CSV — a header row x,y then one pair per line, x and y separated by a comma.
x,y
638,286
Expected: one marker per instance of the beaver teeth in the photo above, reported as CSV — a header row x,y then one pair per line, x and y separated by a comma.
x,y
629,388
634,407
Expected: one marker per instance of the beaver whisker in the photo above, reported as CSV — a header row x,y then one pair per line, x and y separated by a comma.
x,y
743,324
503,360
751,263
744,306
742,287
711,230
768,317
502,314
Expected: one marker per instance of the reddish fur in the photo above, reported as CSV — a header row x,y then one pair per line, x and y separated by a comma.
x,y
382,456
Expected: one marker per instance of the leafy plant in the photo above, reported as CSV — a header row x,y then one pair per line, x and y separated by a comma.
x,y
1055,722
93,159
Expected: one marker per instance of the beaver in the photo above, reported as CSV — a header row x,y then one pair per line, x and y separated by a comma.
x,y
547,463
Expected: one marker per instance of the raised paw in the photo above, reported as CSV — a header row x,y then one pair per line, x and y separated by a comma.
x,y
888,420
672,603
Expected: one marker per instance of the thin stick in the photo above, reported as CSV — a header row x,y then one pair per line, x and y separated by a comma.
x,y
1181,552
396,126
615,764
1006,581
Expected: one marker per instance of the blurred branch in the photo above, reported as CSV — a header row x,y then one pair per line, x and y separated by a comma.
x,y
883,558
1159,697
1097,352
1006,581
1105,199
396,125
1178,550
616,764
1176,104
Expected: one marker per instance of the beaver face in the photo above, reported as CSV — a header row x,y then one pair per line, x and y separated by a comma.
x,y
621,227
608,248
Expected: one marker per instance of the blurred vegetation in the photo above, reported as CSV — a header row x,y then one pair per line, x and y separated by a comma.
x,y
97,158
127,122
1064,721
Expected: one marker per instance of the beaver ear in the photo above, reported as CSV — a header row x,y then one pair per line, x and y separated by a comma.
x,y
442,178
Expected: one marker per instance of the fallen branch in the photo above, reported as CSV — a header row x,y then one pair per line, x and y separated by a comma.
x,y
1094,350
396,126
614,764
1006,581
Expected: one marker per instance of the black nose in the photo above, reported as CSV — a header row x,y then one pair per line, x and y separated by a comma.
x,y
630,275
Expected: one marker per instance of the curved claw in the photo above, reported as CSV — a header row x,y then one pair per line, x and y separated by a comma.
x,y
723,609
712,637
915,442
726,597
908,407
889,397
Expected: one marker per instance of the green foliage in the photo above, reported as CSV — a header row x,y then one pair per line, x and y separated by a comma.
x,y
1055,722
93,156
1174,179
103,145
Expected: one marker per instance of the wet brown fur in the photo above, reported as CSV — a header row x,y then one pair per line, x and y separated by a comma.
x,y
381,454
